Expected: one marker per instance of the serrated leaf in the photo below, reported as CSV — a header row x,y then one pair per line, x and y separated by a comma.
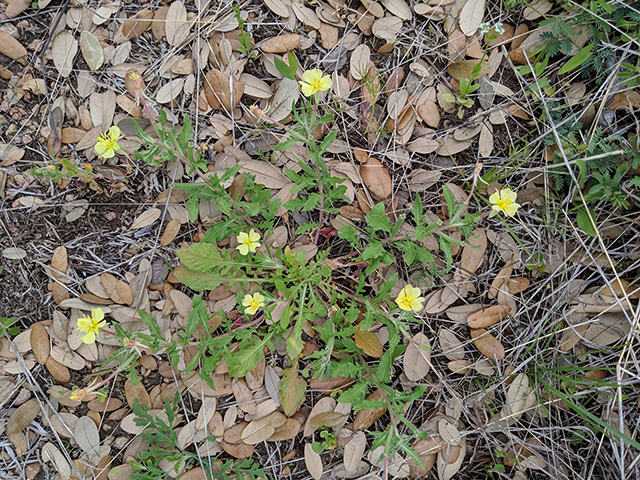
x,y
292,388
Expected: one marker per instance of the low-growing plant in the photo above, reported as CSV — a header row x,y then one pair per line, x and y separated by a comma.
x,y
286,293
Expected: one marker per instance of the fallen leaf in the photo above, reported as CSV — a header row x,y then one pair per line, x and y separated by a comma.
x,y
376,178
368,342
360,58
86,435
471,16
50,453
487,317
487,344
417,357
450,344
91,50
59,262
354,450
63,49
12,48
176,25
292,388
147,218
464,69
313,462
23,416
281,43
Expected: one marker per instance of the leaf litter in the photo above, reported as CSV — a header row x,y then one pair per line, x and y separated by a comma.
x,y
56,348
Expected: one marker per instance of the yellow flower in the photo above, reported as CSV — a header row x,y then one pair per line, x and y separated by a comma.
x,y
79,394
313,82
504,201
409,299
253,303
248,242
91,326
107,145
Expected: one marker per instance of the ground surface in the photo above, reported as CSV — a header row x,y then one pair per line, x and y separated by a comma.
x,y
561,401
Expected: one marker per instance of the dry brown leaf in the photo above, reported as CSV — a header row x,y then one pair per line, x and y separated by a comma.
x,y
265,173
417,357
124,292
136,392
450,344
176,25
354,450
170,232
463,69
50,453
367,416
63,49
313,462
487,317
244,397
485,142
15,8
281,43
387,28
359,63
517,395
429,113
146,218
368,342
91,50
58,371
607,329
287,431
86,435
471,16
134,27
39,341
12,48
487,344
170,90
325,404
23,416
103,106
59,263
376,178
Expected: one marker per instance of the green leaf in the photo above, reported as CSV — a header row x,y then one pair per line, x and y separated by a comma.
x,y
377,219
586,221
247,357
577,60
374,250
284,69
292,388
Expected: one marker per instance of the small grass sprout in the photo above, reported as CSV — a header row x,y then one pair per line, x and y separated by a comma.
x,y
313,81
248,242
107,145
253,303
504,201
409,299
91,325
